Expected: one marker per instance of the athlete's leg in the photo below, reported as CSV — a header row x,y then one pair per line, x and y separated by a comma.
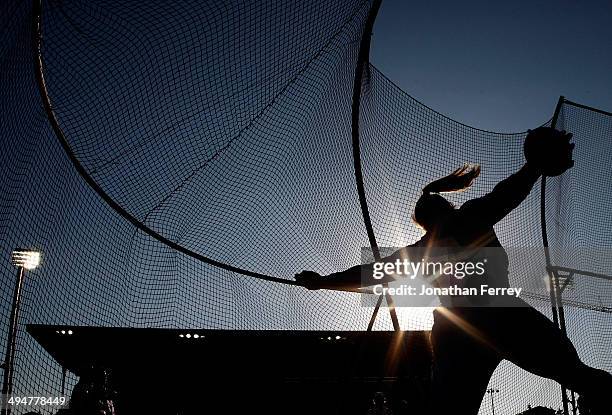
x,y
533,342
462,366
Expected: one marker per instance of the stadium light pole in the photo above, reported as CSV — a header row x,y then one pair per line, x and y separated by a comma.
x,y
23,259
491,392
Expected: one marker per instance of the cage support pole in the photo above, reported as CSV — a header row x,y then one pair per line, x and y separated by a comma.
x,y
361,67
555,299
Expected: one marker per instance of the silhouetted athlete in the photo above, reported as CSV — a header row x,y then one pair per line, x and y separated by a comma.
x,y
469,342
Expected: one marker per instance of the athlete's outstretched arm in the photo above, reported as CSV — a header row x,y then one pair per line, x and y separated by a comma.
x,y
509,193
505,197
350,279
353,278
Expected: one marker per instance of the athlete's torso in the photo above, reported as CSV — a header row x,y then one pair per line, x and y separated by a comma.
x,y
468,241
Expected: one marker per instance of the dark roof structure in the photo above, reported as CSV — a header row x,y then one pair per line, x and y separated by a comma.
x,y
170,371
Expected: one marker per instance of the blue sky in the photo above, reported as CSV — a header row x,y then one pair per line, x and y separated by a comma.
x,y
497,65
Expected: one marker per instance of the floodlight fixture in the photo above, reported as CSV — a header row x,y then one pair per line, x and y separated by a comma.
x,y
25,258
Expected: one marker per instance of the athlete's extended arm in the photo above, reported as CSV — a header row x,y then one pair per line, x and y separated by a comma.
x,y
505,197
353,278
546,149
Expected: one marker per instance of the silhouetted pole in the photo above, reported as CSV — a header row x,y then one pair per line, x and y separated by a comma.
x,y
491,392
555,296
63,381
360,68
9,355
22,260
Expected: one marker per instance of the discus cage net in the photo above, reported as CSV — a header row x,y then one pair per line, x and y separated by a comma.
x,y
182,161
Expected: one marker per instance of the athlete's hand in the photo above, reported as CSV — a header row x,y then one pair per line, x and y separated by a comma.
x,y
560,155
309,279
549,151
568,148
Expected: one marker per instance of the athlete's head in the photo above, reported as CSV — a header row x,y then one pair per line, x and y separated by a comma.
x,y
432,209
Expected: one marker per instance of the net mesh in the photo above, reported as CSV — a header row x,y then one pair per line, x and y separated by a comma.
x,y
226,128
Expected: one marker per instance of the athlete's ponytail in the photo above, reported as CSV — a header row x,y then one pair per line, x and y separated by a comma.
x,y
459,180
431,207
